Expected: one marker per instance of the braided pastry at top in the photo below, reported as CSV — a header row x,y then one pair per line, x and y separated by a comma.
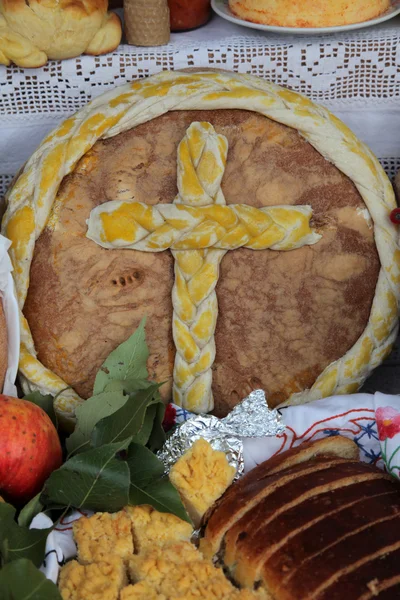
x,y
199,229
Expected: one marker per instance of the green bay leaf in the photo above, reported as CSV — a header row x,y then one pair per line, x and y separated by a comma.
x,y
30,510
129,420
160,494
142,436
144,466
20,542
95,480
128,361
21,580
127,385
89,414
157,436
46,403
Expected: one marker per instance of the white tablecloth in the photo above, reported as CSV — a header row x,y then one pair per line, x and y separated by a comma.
x,y
355,74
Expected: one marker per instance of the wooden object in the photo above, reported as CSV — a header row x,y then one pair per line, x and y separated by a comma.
x,y
146,22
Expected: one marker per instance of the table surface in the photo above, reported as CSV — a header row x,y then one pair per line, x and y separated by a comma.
x,y
356,74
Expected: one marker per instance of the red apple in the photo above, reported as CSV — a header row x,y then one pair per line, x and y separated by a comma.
x,y
30,449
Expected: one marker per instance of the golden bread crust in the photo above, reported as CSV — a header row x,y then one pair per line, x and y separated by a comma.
x,y
3,346
310,527
231,508
283,317
308,13
35,31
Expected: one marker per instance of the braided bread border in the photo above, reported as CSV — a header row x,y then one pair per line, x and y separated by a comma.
x,y
31,199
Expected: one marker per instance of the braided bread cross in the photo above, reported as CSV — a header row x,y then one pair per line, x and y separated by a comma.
x,y
198,228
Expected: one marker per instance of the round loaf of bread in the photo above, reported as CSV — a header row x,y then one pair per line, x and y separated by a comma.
x,y
3,346
283,316
225,170
308,13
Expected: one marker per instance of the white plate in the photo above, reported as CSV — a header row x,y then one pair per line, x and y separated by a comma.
x,y
221,7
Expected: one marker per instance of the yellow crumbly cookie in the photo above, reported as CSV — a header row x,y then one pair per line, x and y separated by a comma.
x,y
259,594
197,579
103,535
97,581
156,564
141,591
152,528
179,571
189,580
167,566
201,476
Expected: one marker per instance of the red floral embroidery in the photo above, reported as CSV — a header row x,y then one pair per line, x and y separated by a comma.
x,y
169,417
388,422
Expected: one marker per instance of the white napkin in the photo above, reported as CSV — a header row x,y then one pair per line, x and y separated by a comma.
x,y
60,545
352,416
10,305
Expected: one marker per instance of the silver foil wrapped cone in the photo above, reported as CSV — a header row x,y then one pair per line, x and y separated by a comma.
x,y
249,419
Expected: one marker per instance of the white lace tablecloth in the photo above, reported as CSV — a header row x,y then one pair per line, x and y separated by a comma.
x,y
354,74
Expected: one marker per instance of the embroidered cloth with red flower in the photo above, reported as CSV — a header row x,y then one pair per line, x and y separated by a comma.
x,y
388,425
372,421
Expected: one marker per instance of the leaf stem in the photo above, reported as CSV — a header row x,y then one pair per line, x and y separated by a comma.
x,y
70,454
392,456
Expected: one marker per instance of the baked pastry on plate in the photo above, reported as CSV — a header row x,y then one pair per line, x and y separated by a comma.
x,y
286,262
308,13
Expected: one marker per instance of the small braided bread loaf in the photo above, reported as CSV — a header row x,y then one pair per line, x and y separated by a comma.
x,y
35,31
199,229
